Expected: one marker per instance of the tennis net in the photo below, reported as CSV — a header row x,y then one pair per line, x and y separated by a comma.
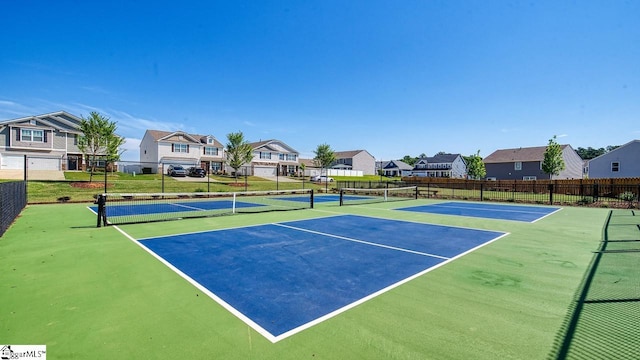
x,y
354,196
150,207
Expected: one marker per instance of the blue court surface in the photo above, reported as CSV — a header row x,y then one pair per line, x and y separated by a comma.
x,y
484,210
158,208
282,278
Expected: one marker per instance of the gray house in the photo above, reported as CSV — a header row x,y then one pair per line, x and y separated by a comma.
x,y
622,162
50,142
441,165
526,164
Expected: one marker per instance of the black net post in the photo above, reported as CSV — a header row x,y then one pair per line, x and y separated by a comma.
x,y
101,200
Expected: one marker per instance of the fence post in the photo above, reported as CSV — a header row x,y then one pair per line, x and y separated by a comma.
x,y
550,194
481,191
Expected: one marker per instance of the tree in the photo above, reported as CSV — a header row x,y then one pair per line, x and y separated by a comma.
x,y
409,160
324,156
99,139
553,163
303,167
475,166
239,151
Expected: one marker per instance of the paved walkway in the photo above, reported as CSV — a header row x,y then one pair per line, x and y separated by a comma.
x,y
32,175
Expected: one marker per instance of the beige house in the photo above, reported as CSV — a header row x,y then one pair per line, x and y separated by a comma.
x,y
159,149
356,160
273,158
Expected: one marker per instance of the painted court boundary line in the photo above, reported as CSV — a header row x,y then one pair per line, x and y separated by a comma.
x,y
505,209
267,334
204,290
361,241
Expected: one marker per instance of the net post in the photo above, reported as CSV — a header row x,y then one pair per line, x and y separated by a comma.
x,y
386,193
341,197
416,193
311,199
233,204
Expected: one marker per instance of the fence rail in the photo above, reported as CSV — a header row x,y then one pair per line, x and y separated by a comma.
x,y
13,198
618,193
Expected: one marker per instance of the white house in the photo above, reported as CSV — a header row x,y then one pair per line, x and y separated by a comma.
x,y
441,165
159,149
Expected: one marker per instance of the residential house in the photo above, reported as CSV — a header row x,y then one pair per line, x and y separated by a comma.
x,y
274,158
622,162
159,149
526,164
310,167
50,142
356,160
441,165
396,168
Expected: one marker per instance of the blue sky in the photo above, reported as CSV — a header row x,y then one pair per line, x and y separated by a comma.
x,y
392,77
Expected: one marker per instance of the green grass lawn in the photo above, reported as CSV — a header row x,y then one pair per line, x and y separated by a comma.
x,y
92,293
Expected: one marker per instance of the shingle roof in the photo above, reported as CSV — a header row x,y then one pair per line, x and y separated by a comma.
x,y
347,154
519,154
442,158
59,120
159,134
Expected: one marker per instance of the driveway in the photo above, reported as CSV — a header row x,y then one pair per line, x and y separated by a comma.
x,y
32,175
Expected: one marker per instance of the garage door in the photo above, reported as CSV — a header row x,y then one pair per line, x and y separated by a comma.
x,y
43,163
9,162
264,171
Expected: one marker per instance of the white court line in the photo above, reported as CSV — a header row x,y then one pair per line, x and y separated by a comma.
x,y
362,241
206,291
266,333
485,209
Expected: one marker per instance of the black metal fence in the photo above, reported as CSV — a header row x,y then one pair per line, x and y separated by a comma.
x,y
13,198
615,195
604,319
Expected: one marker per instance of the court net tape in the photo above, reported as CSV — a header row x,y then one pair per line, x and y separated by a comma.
x,y
150,207
354,196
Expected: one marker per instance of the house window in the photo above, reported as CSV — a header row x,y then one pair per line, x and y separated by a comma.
x,y
209,140
615,166
29,135
529,178
281,156
180,148
265,155
517,165
210,150
291,157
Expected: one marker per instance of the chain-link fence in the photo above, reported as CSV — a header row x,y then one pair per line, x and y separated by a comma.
x,y
13,198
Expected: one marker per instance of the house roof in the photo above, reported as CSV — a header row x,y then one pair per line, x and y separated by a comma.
x,y
441,158
268,143
397,164
307,162
518,154
59,120
348,154
158,135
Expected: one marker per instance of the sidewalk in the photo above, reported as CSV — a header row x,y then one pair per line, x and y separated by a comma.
x,y
32,175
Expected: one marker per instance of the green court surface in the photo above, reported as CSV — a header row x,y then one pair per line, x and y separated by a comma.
x,y
93,293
